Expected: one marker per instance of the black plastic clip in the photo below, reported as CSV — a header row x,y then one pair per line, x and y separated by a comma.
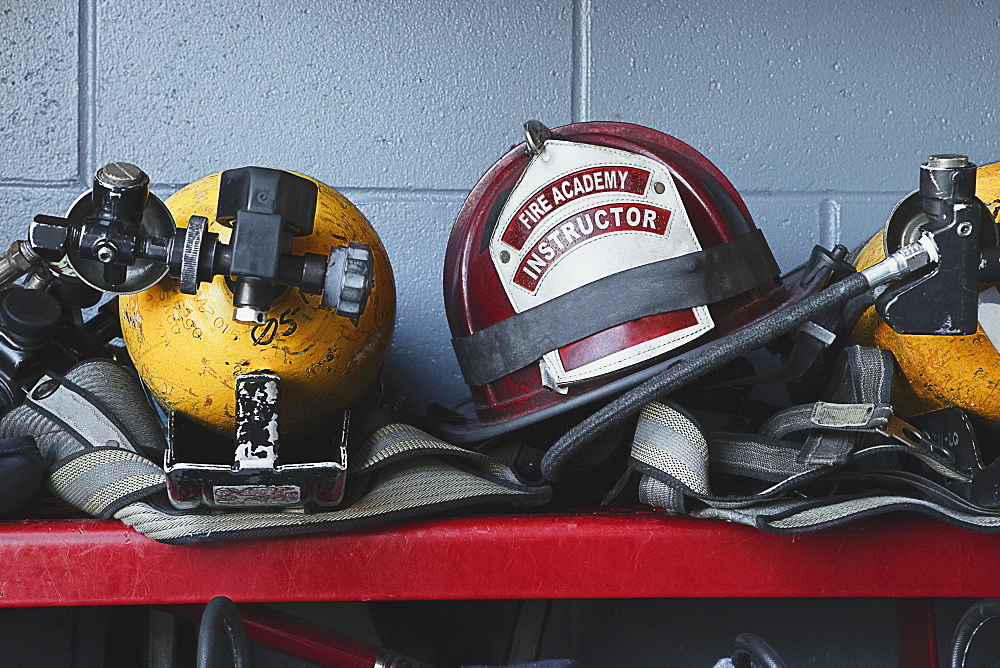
x,y
826,266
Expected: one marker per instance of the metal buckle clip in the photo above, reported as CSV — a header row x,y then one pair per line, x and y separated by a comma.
x,y
907,434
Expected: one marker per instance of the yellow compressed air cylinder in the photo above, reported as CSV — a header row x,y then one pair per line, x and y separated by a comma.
x,y
937,371
189,350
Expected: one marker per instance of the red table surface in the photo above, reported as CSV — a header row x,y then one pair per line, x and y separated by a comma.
x,y
598,555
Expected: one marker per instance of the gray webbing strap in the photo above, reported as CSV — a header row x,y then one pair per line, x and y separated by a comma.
x,y
863,376
678,462
667,482
415,487
690,280
92,453
417,474
789,516
670,442
99,481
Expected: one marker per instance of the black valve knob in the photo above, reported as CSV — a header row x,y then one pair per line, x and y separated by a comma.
x,y
30,316
268,191
120,193
348,279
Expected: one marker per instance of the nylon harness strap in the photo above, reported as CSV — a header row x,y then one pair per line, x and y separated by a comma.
x,y
844,442
93,429
417,475
94,454
695,279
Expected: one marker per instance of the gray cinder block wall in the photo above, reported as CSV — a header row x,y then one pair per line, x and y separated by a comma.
x,y
820,112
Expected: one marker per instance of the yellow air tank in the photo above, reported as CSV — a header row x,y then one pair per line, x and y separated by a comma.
x,y
936,371
189,349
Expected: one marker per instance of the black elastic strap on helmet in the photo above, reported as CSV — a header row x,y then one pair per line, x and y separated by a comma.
x,y
695,279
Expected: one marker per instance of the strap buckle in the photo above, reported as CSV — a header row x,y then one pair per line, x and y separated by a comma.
x,y
906,433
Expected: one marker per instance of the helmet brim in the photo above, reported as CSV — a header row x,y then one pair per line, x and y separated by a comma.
x,y
463,424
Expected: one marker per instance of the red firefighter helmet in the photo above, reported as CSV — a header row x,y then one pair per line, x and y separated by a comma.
x,y
588,259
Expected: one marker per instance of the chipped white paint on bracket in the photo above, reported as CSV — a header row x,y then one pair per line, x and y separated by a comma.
x,y
265,402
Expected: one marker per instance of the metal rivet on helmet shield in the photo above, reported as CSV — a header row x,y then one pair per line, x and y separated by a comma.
x,y
659,187
964,229
536,134
504,257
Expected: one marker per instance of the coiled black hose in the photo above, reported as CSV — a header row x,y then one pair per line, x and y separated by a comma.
x,y
970,623
750,651
222,609
722,351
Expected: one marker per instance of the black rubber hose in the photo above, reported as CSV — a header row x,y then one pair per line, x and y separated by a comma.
x,y
715,355
973,620
222,609
750,651
22,472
